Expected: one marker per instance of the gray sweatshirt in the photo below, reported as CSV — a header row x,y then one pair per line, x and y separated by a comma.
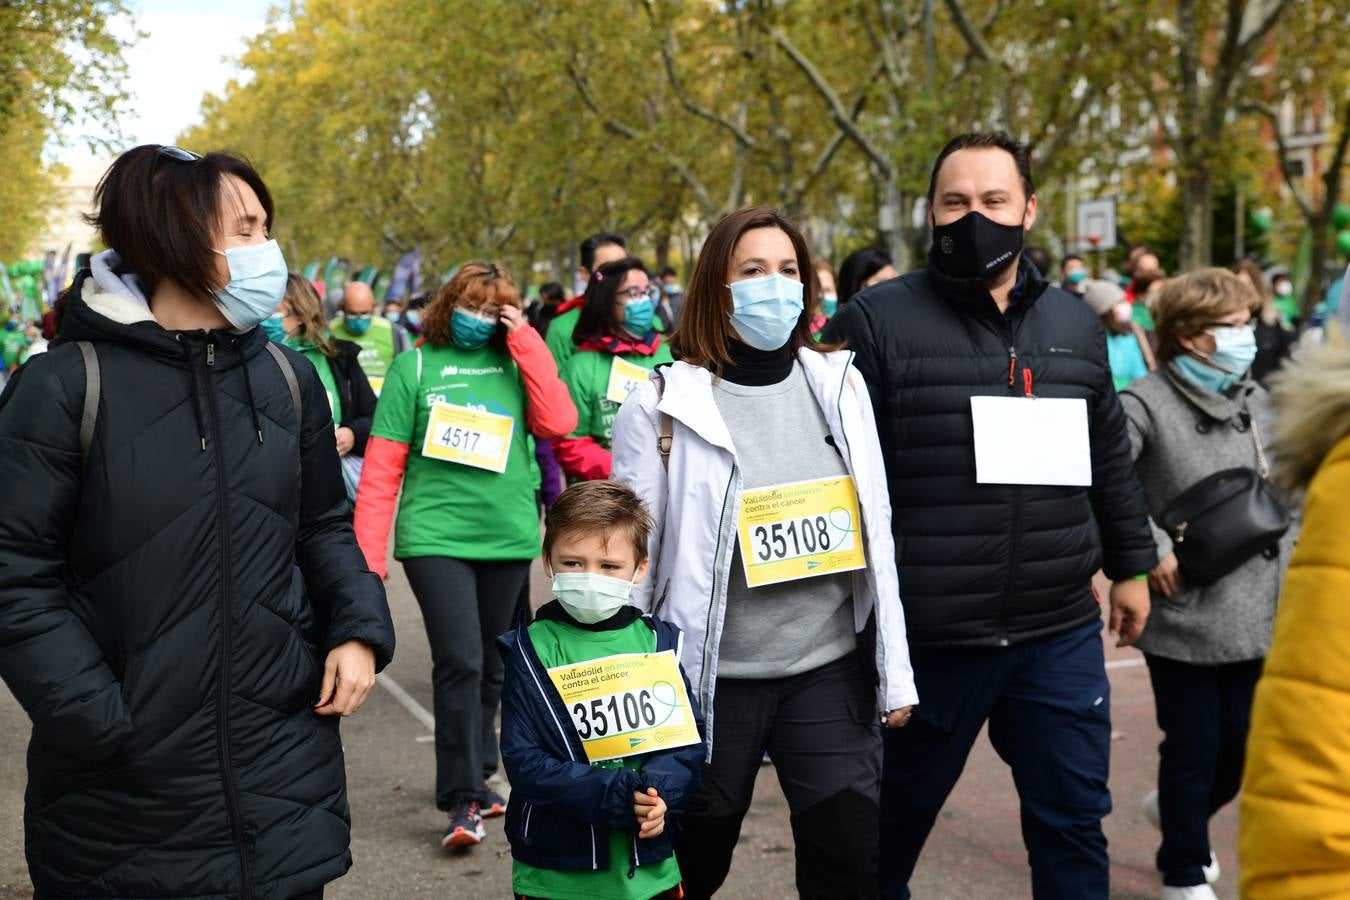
x,y
781,629
1181,434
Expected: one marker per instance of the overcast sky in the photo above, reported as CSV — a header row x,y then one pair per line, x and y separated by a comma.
x,y
183,56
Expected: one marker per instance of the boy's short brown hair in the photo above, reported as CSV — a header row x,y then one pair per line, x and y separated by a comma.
x,y
599,506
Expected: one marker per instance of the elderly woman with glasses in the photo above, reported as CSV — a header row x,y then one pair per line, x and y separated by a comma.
x,y
617,344
1200,414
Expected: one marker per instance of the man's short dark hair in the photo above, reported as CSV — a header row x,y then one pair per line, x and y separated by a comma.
x,y
997,140
595,242
161,212
668,272
1072,257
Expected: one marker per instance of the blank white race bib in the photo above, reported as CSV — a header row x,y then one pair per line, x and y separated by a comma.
x,y
1031,440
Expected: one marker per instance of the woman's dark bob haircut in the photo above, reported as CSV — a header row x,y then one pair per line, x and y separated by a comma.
x,y
597,309
164,210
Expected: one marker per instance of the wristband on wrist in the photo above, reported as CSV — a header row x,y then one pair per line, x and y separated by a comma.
x,y
1143,577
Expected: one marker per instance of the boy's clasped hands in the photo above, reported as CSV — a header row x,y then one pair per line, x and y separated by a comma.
x,y
651,813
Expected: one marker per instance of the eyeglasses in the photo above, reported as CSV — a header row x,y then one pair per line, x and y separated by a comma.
x,y
178,153
1249,325
636,295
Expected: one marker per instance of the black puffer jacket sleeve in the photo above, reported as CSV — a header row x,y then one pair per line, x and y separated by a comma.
x,y
1117,498
48,658
345,593
358,411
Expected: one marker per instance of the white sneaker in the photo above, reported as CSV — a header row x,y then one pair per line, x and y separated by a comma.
x,y
1212,871
1194,892
1151,810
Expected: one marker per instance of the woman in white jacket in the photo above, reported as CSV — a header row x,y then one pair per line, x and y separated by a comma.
x,y
759,458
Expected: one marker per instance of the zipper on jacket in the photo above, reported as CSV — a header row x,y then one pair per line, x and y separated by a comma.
x,y
1017,505
713,601
529,811
226,637
632,870
1012,366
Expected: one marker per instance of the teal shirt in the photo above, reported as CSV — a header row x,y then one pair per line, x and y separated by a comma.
x,y
1126,358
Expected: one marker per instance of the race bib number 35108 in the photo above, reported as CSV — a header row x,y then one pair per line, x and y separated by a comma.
x,y
469,437
627,704
800,530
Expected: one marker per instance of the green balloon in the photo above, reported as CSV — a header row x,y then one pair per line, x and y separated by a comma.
x,y
1343,242
1340,216
1261,220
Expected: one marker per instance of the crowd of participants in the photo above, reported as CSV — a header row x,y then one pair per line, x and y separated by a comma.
x,y
840,521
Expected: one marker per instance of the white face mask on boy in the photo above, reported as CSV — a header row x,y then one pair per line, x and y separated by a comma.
x,y
590,597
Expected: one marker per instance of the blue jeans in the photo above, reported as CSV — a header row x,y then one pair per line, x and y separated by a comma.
x,y
1204,713
1047,703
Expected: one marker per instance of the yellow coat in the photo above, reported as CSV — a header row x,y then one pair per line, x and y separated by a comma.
x,y
1294,837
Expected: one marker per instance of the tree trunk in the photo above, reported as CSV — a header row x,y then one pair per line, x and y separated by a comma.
x,y
1319,232
1197,211
893,226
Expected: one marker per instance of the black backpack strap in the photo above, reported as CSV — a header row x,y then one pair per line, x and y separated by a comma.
x,y
288,372
93,389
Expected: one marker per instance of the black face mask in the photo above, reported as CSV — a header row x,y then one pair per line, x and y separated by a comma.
x,y
975,246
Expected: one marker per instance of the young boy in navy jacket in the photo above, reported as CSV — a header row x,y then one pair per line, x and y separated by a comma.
x,y
601,736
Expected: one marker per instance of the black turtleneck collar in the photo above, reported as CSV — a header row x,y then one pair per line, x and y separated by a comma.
x,y
553,611
972,294
757,368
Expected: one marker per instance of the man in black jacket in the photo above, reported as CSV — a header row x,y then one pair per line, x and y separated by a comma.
x,y
996,566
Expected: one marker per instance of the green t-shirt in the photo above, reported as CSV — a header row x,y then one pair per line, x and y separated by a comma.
x,y
587,378
11,346
449,509
377,345
325,369
1140,315
559,337
560,644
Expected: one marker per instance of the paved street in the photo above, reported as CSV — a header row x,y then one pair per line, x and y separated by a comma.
x,y
975,852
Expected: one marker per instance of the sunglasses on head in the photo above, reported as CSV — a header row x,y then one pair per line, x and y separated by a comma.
x,y
178,153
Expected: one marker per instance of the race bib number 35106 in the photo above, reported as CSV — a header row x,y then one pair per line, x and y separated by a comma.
x,y
627,704
800,530
469,437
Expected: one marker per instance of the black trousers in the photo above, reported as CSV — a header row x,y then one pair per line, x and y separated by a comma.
x,y
1047,702
822,731
465,606
1204,713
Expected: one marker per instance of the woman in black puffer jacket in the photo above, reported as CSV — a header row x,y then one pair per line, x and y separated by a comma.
x,y
178,582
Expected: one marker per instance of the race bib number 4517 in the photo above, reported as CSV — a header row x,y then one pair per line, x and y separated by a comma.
x,y
800,530
627,704
469,437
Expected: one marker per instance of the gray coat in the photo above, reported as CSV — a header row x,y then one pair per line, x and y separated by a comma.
x,y
1179,435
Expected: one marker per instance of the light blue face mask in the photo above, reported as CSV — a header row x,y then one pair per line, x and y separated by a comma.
x,y
765,310
257,283
1234,353
470,330
829,305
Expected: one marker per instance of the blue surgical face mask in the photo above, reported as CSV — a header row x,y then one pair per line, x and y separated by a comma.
x,y
1077,276
765,310
670,289
274,327
257,283
1234,352
357,325
829,305
638,316
590,597
413,319
471,330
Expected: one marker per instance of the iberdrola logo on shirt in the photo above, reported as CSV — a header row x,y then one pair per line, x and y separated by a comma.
x,y
458,371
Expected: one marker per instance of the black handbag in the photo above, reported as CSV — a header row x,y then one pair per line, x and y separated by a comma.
x,y
1224,520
